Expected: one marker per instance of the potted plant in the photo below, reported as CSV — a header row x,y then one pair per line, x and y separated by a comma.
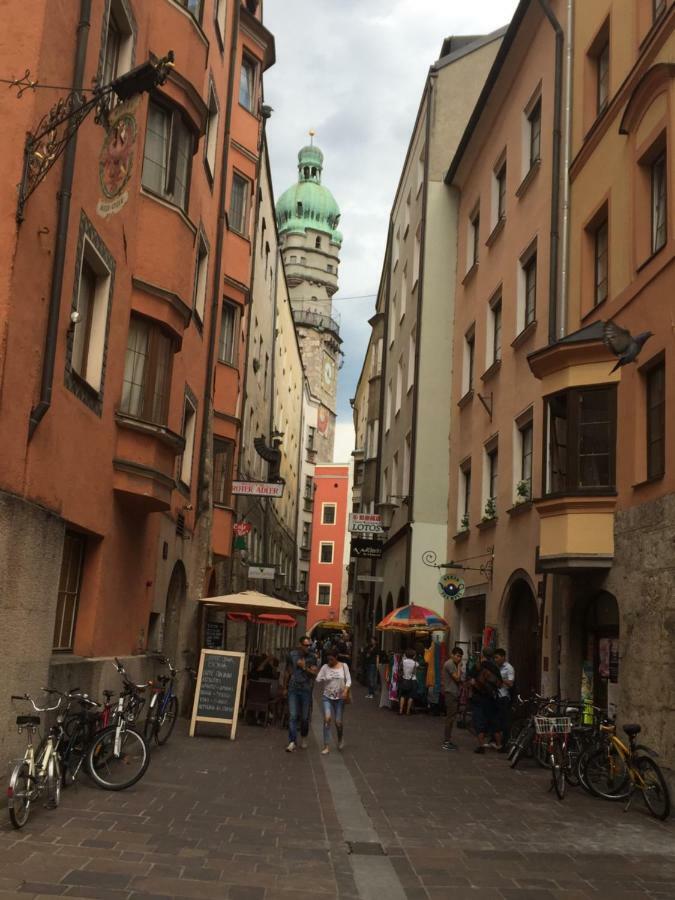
x,y
523,491
464,523
490,511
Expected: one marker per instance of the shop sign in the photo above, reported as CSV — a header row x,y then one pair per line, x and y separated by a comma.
x,y
241,529
261,573
116,161
218,689
362,548
365,523
258,488
213,639
451,587
375,579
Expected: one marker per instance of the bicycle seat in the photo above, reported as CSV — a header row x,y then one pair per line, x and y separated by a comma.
x,y
632,730
27,720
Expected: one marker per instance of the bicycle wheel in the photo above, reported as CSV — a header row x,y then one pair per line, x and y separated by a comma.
x,y
151,723
574,751
525,739
557,764
19,795
53,782
166,722
607,775
654,788
116,771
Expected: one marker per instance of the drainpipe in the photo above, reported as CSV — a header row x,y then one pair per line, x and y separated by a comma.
x,y
38,412
217,271
555,175
567,153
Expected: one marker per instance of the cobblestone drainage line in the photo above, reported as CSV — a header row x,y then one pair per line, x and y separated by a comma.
x,y
365,848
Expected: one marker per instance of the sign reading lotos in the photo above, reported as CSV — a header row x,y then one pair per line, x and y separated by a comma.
x,y
365,523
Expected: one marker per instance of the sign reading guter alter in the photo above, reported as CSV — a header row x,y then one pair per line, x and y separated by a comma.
x,y
218,689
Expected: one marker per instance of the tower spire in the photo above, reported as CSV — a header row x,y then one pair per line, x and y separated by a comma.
x,y
311,137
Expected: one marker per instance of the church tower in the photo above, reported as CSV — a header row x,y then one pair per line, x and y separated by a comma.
x,y
307,219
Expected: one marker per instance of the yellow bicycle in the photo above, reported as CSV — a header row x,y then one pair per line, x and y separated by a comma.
x,y
616,771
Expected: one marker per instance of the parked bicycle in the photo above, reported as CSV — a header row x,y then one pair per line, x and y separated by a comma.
x,y
617,771
38,772
163,708
555,730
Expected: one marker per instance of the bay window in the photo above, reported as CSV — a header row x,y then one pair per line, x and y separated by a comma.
x,y
167,161
147,372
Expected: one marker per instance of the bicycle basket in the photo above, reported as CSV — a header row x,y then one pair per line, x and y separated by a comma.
x,y
553,725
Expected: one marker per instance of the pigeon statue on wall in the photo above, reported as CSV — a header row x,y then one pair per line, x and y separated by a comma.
x,y
272,455
622,343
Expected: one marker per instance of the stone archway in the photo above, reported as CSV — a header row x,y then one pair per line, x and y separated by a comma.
x,y
175,601
522,632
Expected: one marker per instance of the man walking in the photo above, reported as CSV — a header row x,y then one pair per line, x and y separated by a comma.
x,y
301,669
452,677
486,681
504,699
370,655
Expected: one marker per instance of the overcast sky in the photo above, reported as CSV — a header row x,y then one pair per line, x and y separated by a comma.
x,y
354,70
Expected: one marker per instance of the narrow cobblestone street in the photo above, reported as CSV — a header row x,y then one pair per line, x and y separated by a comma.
x,y
246,821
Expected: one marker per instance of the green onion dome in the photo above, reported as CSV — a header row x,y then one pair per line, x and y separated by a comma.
x,y
308,204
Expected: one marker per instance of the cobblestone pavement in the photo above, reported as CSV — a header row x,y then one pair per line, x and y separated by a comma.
x,y
246,821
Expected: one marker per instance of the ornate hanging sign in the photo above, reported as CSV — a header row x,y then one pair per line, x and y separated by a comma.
x,y
451,587
116,161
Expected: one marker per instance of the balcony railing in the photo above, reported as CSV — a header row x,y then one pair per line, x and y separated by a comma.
x,y
316,320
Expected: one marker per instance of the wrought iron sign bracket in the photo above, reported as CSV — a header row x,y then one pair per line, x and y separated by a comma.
x,y
46,143
430,558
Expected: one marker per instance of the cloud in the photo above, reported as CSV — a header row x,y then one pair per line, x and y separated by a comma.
x,y
354,71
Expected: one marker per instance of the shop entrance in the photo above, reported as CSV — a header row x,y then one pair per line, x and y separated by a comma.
x,y
600,667
469,626
522,628
175,600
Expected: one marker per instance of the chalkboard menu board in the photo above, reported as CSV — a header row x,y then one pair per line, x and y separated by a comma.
x,y
218,689
215,632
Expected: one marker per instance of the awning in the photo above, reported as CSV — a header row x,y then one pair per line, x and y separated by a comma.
x,y
252,602
282,619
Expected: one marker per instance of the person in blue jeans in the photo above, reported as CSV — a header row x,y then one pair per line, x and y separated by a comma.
x,y
301,669
336,684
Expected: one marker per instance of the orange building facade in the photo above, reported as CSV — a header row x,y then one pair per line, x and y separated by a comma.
x,y
327,569
123,307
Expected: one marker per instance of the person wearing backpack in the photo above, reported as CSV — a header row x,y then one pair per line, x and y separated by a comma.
x,y
486,682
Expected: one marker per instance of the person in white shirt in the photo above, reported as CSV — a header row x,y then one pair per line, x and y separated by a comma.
x,y
504,700
407,682
337,681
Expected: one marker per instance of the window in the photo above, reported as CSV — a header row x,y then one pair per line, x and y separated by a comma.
x,y
118,43
302,581
469,358
399,385
534,120
412,354
211,139
305,535
500,177
247,83
194,7
496,330
602,75
188,432
328,514
309,487
89,332
223,459
227,342
404,292
326,552
417,249
221,14
659,192
317,243
601,269
201,277
393,318
464,494
656,421
311,437
239,199
530,275
526,456
493,466
407,448
147,372
406,215
581,438
474,239
168,155
323,594
387,412
68,596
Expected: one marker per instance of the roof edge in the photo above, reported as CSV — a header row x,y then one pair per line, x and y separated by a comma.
x,y
476,43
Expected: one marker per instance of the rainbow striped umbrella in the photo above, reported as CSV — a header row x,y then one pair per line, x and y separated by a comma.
x,y
413,618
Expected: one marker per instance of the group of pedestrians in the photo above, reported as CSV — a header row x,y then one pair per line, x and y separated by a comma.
x,y
490,681
303,669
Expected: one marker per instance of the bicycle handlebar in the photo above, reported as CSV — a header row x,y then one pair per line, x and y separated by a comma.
x,y
39,709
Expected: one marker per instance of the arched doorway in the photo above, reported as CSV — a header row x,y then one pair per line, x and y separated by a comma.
x,y
175,600
522,628
390,605
402,598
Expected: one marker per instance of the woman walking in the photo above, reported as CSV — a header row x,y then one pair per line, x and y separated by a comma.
x,y
407,682
336,680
